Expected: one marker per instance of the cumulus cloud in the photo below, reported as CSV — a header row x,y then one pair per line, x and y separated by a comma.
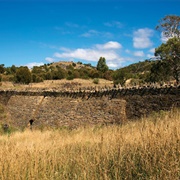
x,y
139,53
30,65
87,54
49,59
152,50
107,50
109,45
141,38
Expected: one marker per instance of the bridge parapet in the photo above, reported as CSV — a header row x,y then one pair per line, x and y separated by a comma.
x,y
111,93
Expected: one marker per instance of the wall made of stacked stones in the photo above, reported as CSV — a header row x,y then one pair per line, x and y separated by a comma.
x,y
66,111
67,108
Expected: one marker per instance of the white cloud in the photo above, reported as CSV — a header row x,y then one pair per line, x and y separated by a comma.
x,y
149,56
141,38
107,50
127,51
49,59
92,33
152,50
109,45
114,24
87,54
30,65
139,53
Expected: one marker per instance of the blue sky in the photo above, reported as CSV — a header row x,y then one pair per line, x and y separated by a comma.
x,y
36,32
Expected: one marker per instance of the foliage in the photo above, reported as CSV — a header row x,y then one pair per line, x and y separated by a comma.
x,y
120,76
36,78
169,52
70,75
170,26
13,69
101,65
137,72
23,75
74,64
108,75
10,70
160,72
96,81
2,69
57,74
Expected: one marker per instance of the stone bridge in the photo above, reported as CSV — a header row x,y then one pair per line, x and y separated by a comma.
x,y
57,108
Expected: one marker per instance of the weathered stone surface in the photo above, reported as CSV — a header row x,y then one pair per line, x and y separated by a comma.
x,y
65,108
58,111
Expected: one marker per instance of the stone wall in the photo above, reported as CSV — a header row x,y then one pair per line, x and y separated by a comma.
x,y
58,111
139,106
65,108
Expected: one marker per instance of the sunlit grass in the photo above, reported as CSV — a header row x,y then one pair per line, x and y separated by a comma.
x,y
145,149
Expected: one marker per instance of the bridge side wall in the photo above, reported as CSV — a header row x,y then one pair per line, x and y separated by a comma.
x,y
58,111
78,108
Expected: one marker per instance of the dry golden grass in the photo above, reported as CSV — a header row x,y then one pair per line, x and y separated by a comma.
x,y
59,84
146,149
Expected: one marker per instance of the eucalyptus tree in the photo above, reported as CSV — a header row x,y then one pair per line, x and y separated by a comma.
x,y
169,52
170,26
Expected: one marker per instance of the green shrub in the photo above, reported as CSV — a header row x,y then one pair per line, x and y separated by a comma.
x,y
96,81
23,75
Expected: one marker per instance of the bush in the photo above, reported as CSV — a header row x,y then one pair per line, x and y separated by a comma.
x,y
96,81
23,75
70,77
36,78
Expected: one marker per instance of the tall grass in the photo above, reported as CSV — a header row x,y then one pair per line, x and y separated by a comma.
x,y
146,149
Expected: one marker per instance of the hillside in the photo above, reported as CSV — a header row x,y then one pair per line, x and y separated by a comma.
x,y
64,74
140,67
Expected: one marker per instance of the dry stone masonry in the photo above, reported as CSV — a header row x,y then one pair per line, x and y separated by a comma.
x,y
75,108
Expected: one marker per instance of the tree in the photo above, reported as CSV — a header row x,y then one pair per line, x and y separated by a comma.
x,y
2,69
160,72
23,75
170,53
101,65
170,26
120,76
13,69
58,73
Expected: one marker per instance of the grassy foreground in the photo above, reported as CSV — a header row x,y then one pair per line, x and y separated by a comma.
x,y
147,149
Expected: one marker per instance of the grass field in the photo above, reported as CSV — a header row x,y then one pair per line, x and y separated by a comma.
x,y
58,84
145,149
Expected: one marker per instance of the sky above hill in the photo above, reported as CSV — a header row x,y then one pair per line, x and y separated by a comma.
x,y
36,32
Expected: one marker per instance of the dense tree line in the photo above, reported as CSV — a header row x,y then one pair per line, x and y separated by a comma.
x,y
54,72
